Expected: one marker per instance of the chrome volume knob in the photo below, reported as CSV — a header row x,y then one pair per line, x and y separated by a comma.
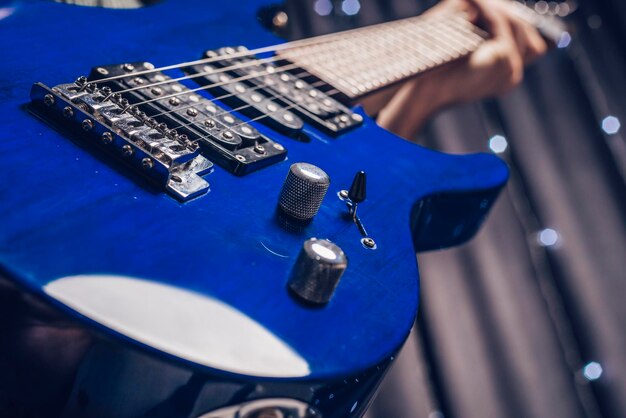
x,y
317,271
303,191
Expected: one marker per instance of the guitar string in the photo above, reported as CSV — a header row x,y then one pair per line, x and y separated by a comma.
x,y
237,109
275,95
225,111
268,114
219,84
317,40
275,70
338,37
195,75
248,90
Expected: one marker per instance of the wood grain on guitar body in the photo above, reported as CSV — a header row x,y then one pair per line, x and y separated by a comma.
x,y
162,266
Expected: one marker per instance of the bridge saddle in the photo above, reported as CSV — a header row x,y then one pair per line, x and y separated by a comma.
x,y
107,121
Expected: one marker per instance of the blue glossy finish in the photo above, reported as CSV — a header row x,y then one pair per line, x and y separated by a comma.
x,y
65,212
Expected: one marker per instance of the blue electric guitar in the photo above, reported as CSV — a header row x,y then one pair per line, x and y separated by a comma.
x,y
232,237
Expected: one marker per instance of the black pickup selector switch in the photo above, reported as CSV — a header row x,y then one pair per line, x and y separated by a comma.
x,y
283,87
221,135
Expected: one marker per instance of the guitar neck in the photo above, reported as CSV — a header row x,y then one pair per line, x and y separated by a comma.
x,y
361,61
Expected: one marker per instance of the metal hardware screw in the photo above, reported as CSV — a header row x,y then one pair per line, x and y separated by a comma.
x,y
102,71
227,135
127,150
240,158
192,112
174,101
209,123
259,149
68,112
107,137
81,81
148,65
128,67
369,243
278,146
147,163
343,194
87,125
48,99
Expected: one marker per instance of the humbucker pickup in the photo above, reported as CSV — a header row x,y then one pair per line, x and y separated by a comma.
x,y
105,120
222,136
250,101
277,84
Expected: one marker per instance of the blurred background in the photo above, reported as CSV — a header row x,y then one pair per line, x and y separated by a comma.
x,y
529,319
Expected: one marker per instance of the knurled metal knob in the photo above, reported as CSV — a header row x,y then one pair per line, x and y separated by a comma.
x,y
317,271
303,191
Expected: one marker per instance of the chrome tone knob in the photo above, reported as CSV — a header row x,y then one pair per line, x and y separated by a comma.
x,y
317,271
303,191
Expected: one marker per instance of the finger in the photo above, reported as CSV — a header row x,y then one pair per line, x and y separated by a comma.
x,y
503,46
529,41
537,46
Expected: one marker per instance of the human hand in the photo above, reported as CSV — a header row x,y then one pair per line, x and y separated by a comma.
x,y
494,68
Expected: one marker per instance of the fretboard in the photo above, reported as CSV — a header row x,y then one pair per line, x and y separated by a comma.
x,y
364,60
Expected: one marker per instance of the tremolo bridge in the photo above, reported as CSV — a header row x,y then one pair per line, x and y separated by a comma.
x,y
105,120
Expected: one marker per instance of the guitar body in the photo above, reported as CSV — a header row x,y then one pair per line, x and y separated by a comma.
x,y
188,301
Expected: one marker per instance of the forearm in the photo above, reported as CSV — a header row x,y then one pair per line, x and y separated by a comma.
x,y
413,104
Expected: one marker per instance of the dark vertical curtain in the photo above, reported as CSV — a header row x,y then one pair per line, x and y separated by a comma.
x,y
529,319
